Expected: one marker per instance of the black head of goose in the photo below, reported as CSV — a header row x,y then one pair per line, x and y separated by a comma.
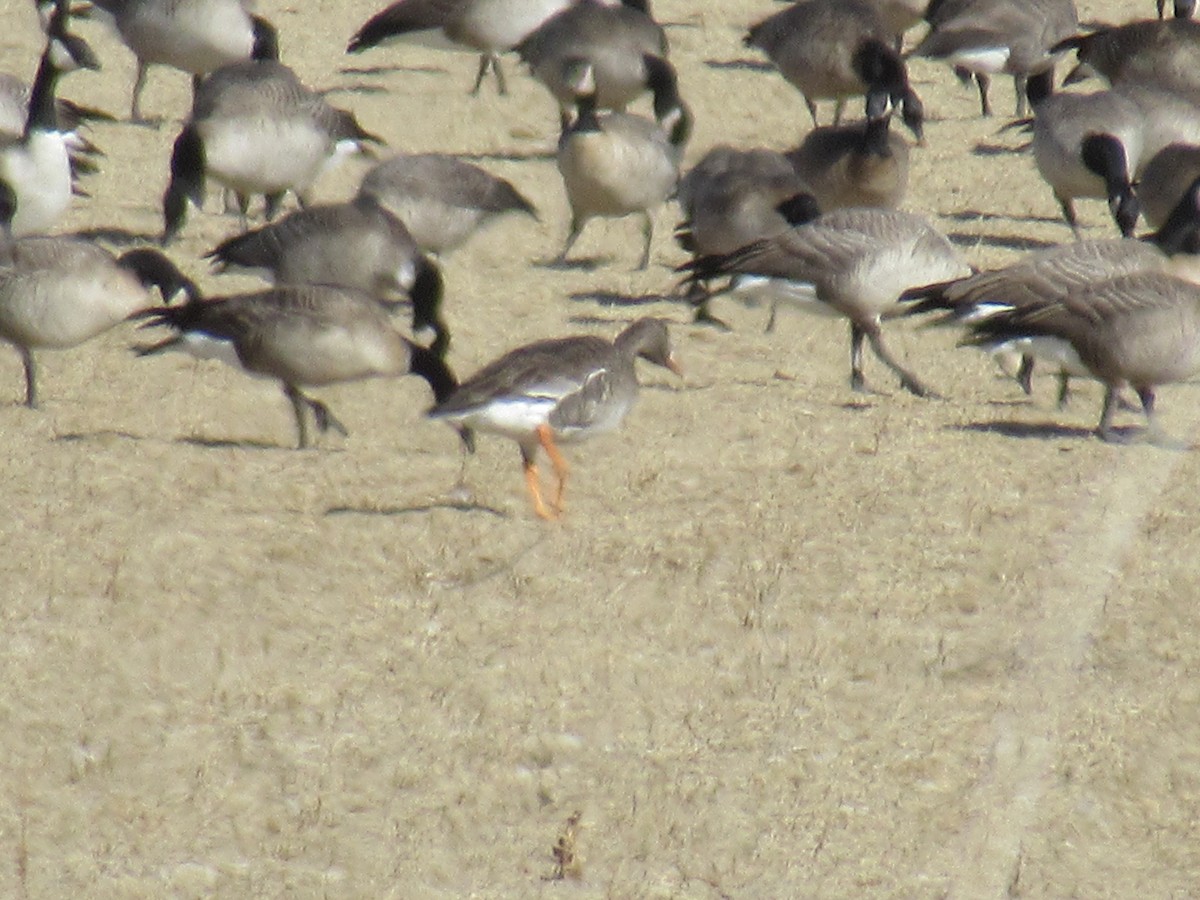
x,y
37,164
851,263
557,391
356,245
442,200
618,164
301,336
490,27
256,129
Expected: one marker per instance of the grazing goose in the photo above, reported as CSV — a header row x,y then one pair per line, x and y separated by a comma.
x,y
1087,145
622,44
256,129
1165,52
557,391
1140,329
834,50
863,164
58,292
302,336
618,164
194,36
983,38
490,27
732,198
357,245
36,164
852,263
442,200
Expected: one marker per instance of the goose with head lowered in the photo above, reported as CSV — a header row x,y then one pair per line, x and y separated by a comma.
x,y
557,391
302,336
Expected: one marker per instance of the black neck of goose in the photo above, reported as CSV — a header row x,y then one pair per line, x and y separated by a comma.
x,y
43,115
1179,233
875,137
1039,86
586,118
266,41
430,366
1105,156
426,294
8,211
154,269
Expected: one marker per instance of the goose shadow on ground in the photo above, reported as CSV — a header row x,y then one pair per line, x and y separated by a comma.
x,y
416,509
747,65
245,444
612,298
120,237
1042,431
538,154
391,70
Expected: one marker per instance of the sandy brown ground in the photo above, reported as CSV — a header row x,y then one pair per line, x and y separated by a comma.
x,y
789,641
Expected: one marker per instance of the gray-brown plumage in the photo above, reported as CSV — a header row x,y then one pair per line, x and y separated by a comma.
x,y
863,164
1165,179
835,50
1165,52
618,164
441,199
982,38
557,391
490,27
256,129
853,263
1141,330
357,245
302,336
621,44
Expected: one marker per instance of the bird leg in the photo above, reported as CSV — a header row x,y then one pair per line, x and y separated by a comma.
x,y
546,439
30,378
908,380
501,87
1064,389
1104,429
533,483
1154,435
576,230
484,62
135,105
648,237
812,109
857,382
839,107
325,419
1025,374
1068,210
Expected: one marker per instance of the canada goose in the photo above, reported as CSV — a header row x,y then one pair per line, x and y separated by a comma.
x,y
987,37
1087,145
732,198
256,129
854,263
1165,52
491,27
441,199
357,245
303,336
1140,329
37,163
833,50
618,164
625,48
1165,180
557,391
1183,8
194,36
863,164
58,292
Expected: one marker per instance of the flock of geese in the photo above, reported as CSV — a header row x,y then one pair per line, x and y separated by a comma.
x,y
817,226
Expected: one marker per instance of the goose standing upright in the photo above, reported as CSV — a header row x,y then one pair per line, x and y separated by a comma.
x,y
557,391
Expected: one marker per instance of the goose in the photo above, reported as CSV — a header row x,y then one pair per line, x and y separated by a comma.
x,y
833,50
1140,329
1087,145
58,292
983,38
853,263
863,164
256,129
194,36
442,200
732,198
490,27
555,392
36,164
1165,179
617,164
357,245
1165,52
302,336
625,48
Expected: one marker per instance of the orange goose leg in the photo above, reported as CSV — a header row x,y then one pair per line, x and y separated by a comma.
x,y
546,438
533,483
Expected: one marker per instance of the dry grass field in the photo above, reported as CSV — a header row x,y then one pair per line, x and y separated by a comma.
x,y
789,641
